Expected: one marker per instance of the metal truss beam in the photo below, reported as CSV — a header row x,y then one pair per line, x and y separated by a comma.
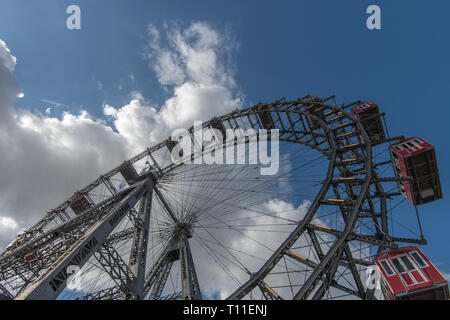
x,y
268,292
328,278
160,265
160,281
67,231
173,296
346,248
356,237
51,282
113,293
315,243
111,261
354,271
121,236
334,252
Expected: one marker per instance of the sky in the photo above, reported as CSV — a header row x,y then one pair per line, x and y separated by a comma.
x,y
137,69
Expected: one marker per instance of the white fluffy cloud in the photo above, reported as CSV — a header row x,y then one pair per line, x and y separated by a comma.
x,y
7,227
8,60
45,159
192,64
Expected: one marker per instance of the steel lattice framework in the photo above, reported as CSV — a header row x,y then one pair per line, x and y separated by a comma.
x,y
35,265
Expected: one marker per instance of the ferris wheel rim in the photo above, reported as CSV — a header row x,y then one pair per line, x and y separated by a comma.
x,y
277,107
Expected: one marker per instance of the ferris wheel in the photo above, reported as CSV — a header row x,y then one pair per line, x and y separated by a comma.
x,y
155,228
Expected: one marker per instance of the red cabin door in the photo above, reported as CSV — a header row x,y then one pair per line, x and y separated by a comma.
x,y
409,270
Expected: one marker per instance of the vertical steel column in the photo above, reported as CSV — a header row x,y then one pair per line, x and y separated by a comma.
x,y
191,288
138,254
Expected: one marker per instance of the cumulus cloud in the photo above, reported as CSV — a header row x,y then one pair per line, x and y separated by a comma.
x,y
45,159
193,65
9,86
8,60
7,226
138,122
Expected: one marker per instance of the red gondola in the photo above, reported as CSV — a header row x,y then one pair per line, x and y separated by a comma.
x,y
128,172
369,116
416,158
30,257
81,204
407,274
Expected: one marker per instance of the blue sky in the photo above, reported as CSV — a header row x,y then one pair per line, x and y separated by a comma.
x,y
286,48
